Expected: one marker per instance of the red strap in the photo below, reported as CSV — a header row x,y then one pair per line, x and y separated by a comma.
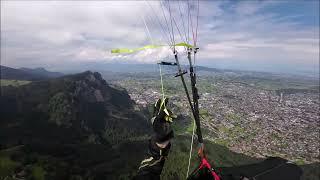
x,y
205,163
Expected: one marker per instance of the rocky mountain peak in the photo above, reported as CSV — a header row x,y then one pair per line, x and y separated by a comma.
x,y
83,102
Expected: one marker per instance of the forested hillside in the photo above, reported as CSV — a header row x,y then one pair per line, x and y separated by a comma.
x,y
74,121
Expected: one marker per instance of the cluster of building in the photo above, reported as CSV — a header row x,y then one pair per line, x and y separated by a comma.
x,y
266,123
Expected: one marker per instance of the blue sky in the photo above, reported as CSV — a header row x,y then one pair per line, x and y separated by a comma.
x,y
276,36
307,12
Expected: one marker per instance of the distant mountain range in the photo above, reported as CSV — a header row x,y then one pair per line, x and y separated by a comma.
x,y
27,74
131,68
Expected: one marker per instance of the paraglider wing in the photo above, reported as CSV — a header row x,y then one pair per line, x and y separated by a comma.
x,y
184,44
125,50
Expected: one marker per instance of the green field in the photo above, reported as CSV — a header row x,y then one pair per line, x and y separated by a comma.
x,y
6,82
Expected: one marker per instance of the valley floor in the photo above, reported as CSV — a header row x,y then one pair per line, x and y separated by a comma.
x,y
244,116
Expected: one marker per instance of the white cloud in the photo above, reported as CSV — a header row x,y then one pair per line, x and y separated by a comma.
x,y
251,7
51,33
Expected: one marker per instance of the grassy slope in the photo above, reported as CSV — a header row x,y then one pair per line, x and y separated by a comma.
x,y
118,163
7,165
177,162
